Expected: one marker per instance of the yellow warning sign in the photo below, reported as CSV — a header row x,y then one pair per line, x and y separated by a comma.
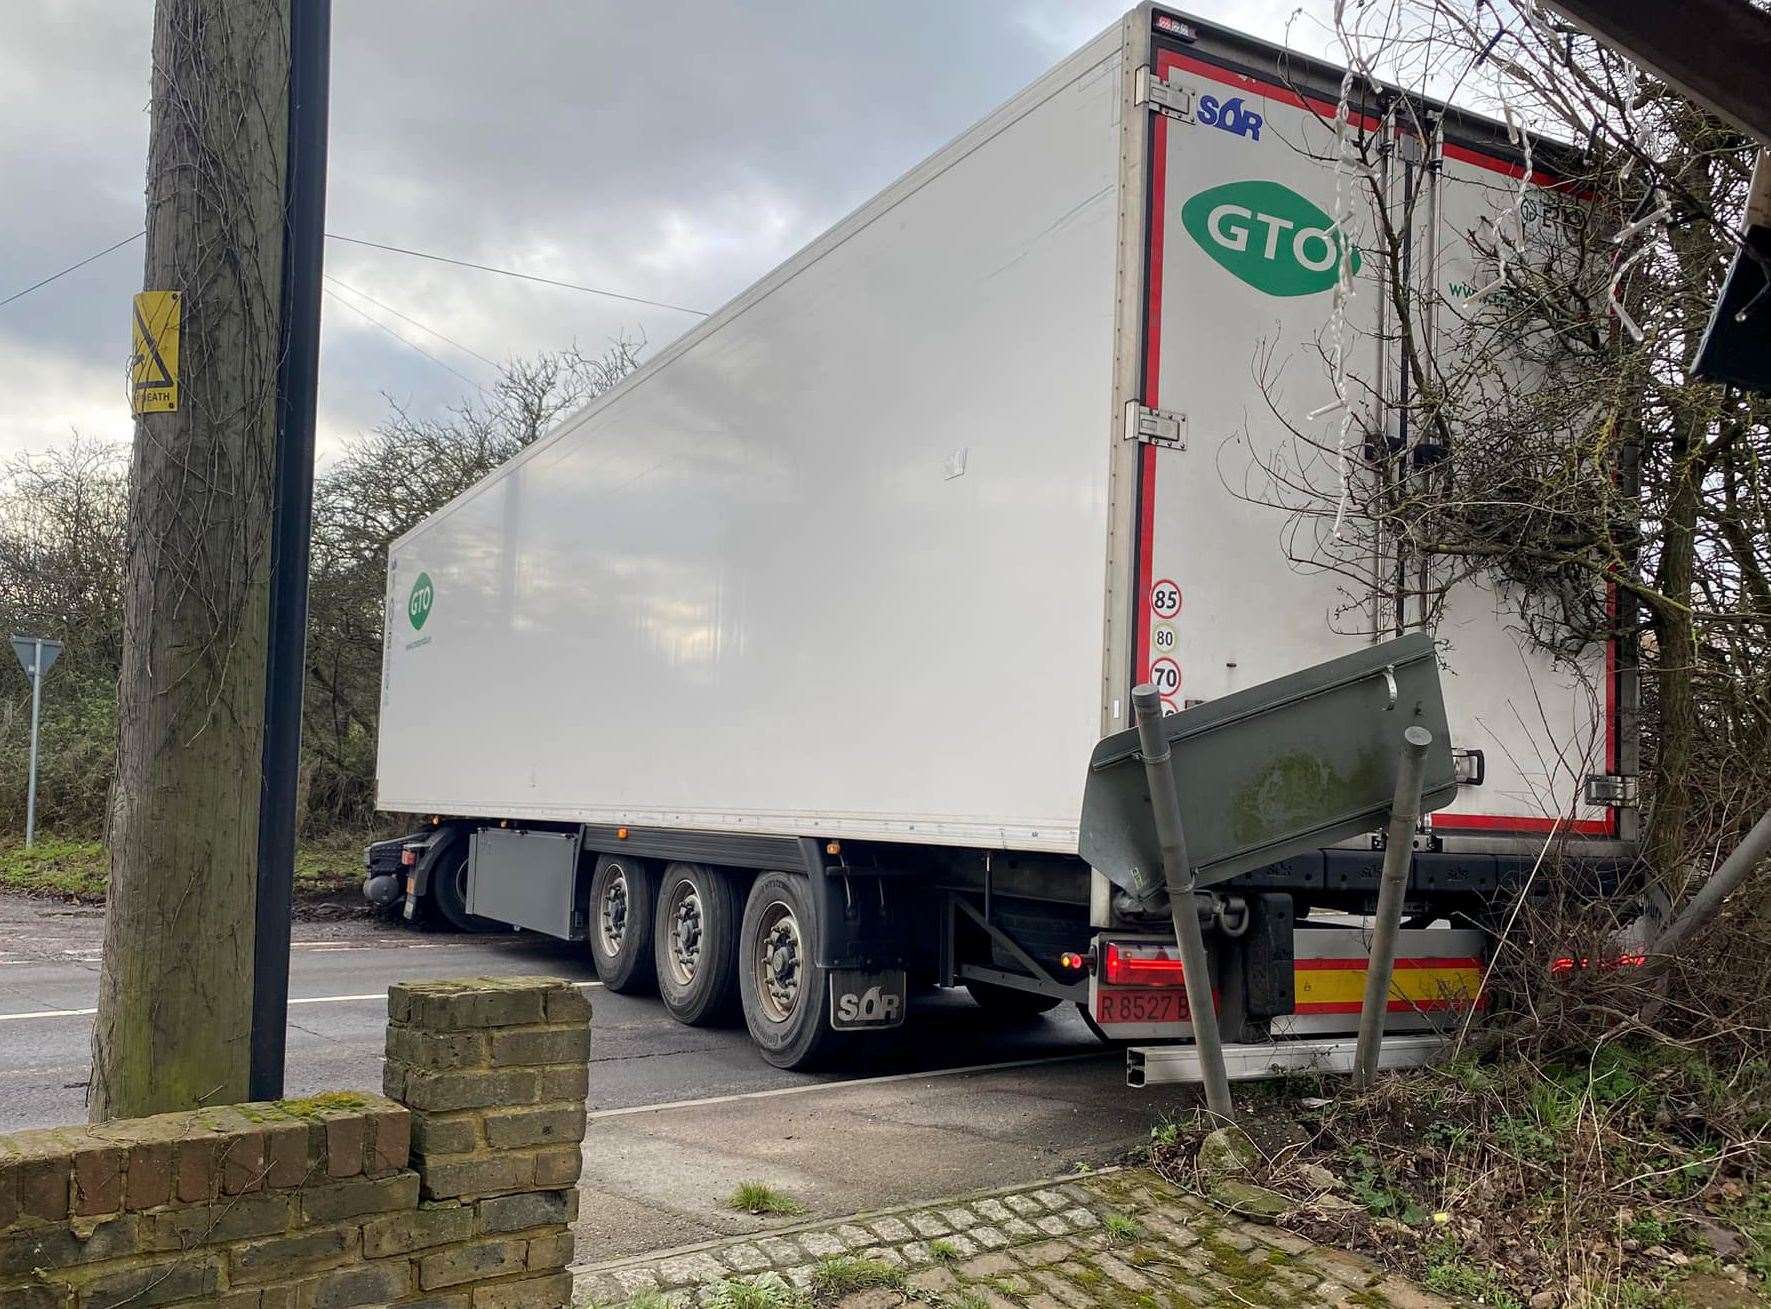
x,y
153,366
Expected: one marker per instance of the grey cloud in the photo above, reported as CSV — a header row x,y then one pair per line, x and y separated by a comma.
x,y
675,151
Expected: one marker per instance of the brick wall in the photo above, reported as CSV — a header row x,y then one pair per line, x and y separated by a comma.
x,y
457,1191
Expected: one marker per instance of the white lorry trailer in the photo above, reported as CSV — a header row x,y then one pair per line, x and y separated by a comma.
x,y
773,674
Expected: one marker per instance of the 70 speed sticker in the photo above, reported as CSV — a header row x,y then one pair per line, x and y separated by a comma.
x,y
1165,675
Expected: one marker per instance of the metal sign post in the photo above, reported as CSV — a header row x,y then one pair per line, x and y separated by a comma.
x,y
35,655
1171,836
1398,859
310,45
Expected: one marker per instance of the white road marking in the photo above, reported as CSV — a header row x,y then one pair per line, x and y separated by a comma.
x,y
50,1013
842,1085
303,999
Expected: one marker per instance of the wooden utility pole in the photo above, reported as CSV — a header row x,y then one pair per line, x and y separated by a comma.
x,y
174,1007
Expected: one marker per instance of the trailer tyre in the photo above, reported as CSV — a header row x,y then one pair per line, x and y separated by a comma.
x,y
1009,1004
695,941
448,891
786,994
623,898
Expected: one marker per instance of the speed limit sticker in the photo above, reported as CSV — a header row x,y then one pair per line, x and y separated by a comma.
x,y
1162,638
1169,707
1165,676
1165,599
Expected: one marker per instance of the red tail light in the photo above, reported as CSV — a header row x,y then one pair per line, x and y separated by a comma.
x,y
1622,961
1141,965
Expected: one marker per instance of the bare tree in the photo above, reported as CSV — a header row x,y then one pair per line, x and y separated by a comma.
x,y
383,484
62,554
61,574
1550,440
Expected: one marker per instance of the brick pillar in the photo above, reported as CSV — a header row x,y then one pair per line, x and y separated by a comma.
x,y
495,1073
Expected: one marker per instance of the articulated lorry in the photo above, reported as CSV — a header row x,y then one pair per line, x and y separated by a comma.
x,y
773,675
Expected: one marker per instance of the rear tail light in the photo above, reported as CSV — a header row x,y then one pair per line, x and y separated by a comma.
x,y
409,856
1141,965
1622,961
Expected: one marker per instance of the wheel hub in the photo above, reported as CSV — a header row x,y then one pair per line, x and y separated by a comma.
x,y
685,935
613,915
778,970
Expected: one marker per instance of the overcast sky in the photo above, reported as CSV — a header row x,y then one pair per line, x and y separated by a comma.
x,y
671,151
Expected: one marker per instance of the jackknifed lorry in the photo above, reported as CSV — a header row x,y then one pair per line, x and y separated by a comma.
x,y
774,675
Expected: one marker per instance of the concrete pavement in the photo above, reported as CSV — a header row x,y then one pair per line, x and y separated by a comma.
x,y
680,1115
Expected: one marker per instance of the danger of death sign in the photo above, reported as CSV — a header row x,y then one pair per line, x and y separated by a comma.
x,y
153,361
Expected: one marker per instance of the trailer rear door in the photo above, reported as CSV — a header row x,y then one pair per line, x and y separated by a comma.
x,y
1230,587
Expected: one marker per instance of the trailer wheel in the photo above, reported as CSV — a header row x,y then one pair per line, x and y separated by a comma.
x,y
695,941
786,994
1010,1004
623,897
448,892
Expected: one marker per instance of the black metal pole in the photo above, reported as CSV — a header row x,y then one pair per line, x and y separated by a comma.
x,y
298,371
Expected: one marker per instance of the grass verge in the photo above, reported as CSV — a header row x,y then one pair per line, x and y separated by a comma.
x,y
1610,1180
76,869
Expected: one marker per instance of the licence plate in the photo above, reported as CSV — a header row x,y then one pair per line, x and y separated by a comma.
x,y
1116,1006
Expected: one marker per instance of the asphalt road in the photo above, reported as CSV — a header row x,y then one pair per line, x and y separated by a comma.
x,y
679,1115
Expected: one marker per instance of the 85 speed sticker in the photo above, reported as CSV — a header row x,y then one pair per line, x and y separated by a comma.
x,y
1165,599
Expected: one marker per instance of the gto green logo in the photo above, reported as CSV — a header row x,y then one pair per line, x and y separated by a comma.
x,y
418,603
1268,236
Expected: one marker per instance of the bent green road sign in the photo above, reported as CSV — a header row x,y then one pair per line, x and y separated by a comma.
x,y
1290,765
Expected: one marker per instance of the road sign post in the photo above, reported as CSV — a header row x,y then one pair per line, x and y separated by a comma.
x,y
1398,859
35,655
1165,808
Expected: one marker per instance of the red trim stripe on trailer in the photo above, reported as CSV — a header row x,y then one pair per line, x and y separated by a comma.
x,y
1361,963
1152,391
1167,61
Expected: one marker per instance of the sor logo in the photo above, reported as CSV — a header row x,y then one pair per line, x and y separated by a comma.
x,y
1268,236
873,1005
1229,116
418,603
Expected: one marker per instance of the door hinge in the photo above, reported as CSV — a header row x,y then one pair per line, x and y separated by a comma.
x,y
1170,98
1163,427
1610,791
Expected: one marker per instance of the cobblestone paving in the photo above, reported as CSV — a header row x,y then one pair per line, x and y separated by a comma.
x,y
1117,1238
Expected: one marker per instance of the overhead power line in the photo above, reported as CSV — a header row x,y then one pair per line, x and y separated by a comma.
x,y
511,272
364,295
398,250
19,295
410,345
